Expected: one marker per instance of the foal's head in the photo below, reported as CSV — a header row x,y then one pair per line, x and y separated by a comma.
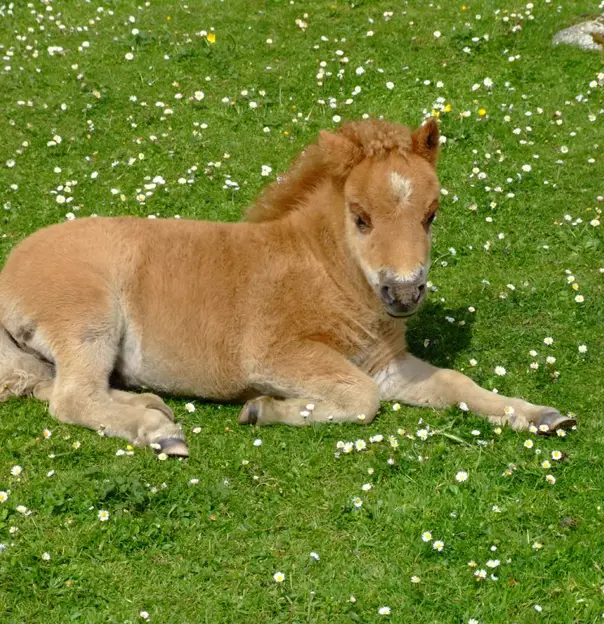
x,y
391,197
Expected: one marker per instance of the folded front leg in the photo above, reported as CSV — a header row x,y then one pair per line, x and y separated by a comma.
x,y
414,382
310,383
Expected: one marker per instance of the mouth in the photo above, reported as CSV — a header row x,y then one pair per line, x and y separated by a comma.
x,y
401,314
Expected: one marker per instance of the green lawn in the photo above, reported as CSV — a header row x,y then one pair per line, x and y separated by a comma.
x,y
184,128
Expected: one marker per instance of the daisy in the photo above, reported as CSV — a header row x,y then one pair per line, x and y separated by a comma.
x,y
103,515
556,455
16,471
550,479
415,579
384,611
426,536
357,502
360,445
480,575
548,341
500,371
422,434
461,476
315,556
579,299
3,497
190,407
438,545
528,444
279,577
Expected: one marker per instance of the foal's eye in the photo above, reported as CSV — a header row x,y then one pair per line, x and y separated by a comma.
x,y
430,219
362,220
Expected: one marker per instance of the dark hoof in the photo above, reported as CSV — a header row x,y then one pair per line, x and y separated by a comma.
x,y
553,420
249,413
173,447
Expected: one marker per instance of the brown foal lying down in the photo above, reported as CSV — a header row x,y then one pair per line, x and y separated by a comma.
x,y
300,311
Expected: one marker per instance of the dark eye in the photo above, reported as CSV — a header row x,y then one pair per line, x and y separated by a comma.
x,y
430,219
361,219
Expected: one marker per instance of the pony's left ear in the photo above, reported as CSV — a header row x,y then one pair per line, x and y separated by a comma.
x,y
340,154
425,141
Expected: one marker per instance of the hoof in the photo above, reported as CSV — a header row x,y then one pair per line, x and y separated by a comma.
x,y
553,420
174,447
249,414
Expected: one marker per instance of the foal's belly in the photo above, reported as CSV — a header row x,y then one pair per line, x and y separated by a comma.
x,y
181,367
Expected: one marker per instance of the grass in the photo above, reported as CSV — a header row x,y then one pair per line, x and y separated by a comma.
x,y
207,551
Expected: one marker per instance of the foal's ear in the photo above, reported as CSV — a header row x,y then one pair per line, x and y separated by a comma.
x,y
339,153
425,141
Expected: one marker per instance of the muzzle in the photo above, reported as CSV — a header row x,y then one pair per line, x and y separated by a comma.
x,y
402,297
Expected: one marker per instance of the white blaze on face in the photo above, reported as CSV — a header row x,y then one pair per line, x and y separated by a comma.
x,y
401,186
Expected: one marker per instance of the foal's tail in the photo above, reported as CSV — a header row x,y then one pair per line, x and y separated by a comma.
x,y
20,371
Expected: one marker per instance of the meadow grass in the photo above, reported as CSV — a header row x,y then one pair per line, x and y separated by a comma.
x,y
172,108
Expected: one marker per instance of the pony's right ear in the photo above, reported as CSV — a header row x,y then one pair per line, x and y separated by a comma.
x,y
340,154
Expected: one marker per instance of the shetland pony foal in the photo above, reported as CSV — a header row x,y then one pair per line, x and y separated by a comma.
x,y
300,311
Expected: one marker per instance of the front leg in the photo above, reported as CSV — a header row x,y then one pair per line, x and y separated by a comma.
x,y
309,383
414,382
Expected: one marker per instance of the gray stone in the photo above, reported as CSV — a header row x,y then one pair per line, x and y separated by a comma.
x,y
582,35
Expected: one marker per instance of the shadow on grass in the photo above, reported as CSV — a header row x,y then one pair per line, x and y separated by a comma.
x,y
448,338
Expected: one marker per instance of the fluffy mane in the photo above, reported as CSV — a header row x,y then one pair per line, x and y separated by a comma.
x,y
332,156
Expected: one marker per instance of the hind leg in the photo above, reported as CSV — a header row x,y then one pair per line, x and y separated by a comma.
x,y
170,443
84,356
43,392
20,372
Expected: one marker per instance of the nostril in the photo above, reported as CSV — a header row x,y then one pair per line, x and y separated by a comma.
x,y
419,292
387,295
